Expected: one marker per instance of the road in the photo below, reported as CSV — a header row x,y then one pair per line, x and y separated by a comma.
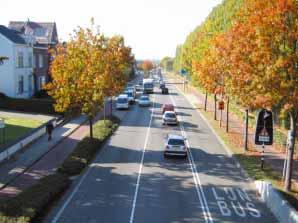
x,y
130,180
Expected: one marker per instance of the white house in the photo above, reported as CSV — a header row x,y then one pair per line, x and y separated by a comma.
x,y
16,73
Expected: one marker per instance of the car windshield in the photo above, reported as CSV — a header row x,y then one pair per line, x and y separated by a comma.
x,y
144,98
129,94
148,85
122,100
170,115
176,142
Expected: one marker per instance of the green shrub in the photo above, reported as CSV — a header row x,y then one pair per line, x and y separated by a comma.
x,y
42,106
34,200
87,148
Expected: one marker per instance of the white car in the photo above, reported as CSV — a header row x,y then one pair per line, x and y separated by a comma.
x,y
175,146
144,100
122,102
169,118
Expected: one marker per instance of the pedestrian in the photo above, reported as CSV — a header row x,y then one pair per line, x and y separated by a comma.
x,y
49,128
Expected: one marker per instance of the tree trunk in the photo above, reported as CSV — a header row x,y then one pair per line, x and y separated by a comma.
x,y
91,127
227,125
291,149
246,131
206,98
215,109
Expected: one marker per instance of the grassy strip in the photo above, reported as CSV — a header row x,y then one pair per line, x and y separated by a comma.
x,y
87,148
26,206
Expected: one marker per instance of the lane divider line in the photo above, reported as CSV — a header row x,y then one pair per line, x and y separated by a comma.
x,y
205,208
131,220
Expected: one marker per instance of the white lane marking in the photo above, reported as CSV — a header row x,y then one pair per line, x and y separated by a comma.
x,y
141,166
199,188
58,215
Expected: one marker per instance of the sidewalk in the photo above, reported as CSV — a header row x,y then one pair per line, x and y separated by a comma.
x,y
274,157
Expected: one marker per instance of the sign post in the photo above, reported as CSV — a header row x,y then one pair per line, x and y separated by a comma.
x,y
2,127
264,131
183,72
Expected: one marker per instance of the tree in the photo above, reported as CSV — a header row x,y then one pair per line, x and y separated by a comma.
x,y
86,70
264,60
167,63
147,65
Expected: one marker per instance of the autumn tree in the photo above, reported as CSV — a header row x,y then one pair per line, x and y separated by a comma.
x,y
147,65
87,69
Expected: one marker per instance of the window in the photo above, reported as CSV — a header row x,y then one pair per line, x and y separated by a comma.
x,y
21,85
20,60
41,82
30,60
30,84
40,60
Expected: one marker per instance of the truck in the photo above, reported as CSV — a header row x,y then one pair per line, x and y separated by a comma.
x,y
148,86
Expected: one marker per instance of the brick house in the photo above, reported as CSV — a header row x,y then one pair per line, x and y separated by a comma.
x,y
46,37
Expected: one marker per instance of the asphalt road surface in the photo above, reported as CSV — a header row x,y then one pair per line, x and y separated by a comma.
x,y
131,181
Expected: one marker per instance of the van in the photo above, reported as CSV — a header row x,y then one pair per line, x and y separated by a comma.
x,y
122,102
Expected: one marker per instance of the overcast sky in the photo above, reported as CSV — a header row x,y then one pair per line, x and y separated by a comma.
x,y
153,28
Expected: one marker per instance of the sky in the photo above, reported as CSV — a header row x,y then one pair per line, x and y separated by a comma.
x,y
153,28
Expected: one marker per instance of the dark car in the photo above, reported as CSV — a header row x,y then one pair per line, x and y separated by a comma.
x,y
165,90
167,107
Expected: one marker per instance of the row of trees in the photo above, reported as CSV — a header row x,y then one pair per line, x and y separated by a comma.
x,y
250,54
88,69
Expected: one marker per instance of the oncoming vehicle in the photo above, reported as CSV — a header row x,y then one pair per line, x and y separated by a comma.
x,y
169,118
144,101
167,107
122,102
148,86
175,146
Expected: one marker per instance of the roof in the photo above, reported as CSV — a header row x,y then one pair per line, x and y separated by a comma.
x,y
44,32
12,35
170,112
174,136
122,96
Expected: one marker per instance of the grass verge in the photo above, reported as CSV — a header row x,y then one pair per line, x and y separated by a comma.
x,y
87,148
17,127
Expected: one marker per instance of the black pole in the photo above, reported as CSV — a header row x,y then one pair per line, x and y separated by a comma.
x,y
206,98
215,118
227,125
91,127
246,131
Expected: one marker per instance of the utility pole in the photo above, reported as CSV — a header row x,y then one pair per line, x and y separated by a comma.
x,y
246,131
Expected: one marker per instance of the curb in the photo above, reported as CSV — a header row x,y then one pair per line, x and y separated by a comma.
x,y
281,208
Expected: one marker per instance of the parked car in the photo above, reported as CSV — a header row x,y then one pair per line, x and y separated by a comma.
x,y
175,146
144,100
122,102
169,118
167,107
165,90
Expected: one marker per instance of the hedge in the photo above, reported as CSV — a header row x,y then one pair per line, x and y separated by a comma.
x,y
87,148
32,202
43,106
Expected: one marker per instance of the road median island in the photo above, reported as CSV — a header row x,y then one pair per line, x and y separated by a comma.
x,y
32,202
249,160
84,152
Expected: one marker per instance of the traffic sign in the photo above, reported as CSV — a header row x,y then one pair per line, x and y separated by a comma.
x,y
264,128
183,71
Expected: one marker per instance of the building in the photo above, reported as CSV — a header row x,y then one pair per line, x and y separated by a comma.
x,y
46,37
17,72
